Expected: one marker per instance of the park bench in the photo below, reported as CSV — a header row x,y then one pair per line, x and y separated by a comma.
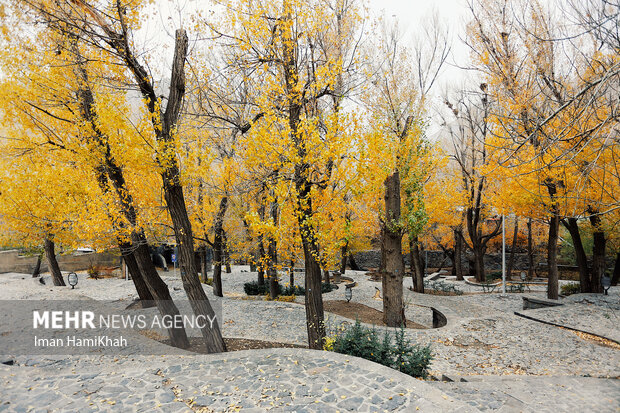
x,y
488,287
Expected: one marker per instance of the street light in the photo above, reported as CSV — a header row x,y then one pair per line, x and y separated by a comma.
x,y
606,283
73,279
348,292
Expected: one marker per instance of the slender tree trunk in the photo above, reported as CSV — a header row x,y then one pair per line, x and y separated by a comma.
x,y
552,257
173,194
136,276
52,263
343,257
417,269
291,274
273,255
392,283
218,247
37,268
458,253
598,254
580,254
205,263
616,276
478,251
303,185
217,264
530,250
325,276
261,261
226,252
513,247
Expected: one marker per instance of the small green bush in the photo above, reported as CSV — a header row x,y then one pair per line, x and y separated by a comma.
x,y
571,288
252,288
399,354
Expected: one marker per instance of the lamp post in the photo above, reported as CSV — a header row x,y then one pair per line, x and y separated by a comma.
x,y
73,279
606,283
348,292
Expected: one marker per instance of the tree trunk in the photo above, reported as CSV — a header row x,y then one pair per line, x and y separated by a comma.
x,y
291,274
136,277
325,276
218,247
417,270
616,276
273,253
513,247
205,263
52,263
217,264
226,252
552,257
37,268
261,261
343,258
173,194
580,254
458,253
530,250
598,254
392,281
478,252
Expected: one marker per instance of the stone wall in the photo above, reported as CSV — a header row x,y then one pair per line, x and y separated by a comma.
x,y
436,259
11,261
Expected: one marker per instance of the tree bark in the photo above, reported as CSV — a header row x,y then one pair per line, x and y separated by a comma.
x,y
478,252
580,254
392,281
52,263
136,276
458,253
552,257
37,268
291,274
417,269
226,252
530,250
343,258
598,253
218,247
273,255
513,247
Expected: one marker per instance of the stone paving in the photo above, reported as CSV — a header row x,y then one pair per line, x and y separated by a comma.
x,y
295,380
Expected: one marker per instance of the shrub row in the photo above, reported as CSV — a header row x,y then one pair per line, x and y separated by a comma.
x,y
252,288
394,351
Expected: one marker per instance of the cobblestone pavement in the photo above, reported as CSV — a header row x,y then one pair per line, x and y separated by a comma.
x,y
537,394
280,380
594,314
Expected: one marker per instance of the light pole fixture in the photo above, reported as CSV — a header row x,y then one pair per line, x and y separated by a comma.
x,y
73,279
606,283
348,292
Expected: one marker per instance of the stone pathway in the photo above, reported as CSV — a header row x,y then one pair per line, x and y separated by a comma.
x,y
280,380
536,394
